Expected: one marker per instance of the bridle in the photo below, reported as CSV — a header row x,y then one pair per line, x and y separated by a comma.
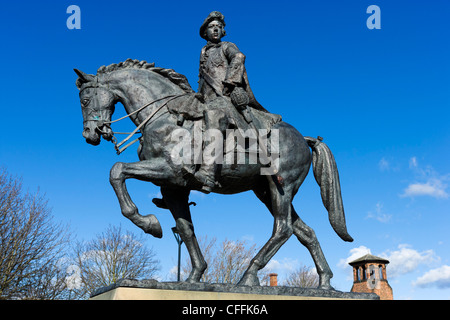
x,y
142,124
101,123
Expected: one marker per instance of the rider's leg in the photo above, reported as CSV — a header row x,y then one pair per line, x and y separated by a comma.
x,y
215,122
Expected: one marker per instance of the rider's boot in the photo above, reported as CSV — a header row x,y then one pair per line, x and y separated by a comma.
x,y
207,177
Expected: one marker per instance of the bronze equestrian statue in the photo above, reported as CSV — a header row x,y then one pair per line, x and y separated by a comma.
x,y
160,102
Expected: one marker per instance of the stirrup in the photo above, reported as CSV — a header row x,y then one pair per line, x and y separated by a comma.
x,y
160,203
207,183
206,189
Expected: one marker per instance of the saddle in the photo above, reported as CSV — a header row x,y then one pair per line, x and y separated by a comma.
x,y
192,107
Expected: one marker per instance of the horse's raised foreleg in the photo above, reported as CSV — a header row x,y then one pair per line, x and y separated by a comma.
x,y
143,170
280,206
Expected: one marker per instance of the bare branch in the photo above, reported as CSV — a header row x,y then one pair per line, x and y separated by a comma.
x,y
31,244
111,256
227,261
303,277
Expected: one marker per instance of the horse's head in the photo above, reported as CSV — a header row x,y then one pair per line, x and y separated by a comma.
x,y
97,105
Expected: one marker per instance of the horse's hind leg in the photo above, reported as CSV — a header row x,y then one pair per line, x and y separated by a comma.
x,y
282,230
177,202
142,170
305,235
308,238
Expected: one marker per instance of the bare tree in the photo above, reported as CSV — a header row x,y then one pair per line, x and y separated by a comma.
x,y
227,261
111,256
303,277
31,245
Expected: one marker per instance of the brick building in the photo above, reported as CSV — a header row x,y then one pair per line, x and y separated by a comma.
x,y
369,275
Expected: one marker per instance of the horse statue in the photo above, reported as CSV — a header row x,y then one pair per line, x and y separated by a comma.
x,y
147,92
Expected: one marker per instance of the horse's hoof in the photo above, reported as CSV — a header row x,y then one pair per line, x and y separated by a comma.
x,y
325,287
153,226
196,275
324,282
189,280
249,280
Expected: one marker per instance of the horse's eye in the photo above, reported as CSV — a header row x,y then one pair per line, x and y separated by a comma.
x,y
85,102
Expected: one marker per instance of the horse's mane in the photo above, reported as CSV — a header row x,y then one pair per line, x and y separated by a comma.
x,y
170,74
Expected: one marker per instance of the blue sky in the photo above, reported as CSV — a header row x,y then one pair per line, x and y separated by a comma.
x,y
380,99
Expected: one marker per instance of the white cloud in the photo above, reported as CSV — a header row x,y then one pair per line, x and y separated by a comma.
x,y
248,237
406,260
383,164
174,270
439,278
354,254
433,187
287,265
73,280
413,163
429,182
378,214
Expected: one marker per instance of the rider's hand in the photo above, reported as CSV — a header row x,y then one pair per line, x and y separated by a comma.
x,y
227,89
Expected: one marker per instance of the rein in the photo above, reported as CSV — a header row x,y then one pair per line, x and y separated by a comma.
x,y
143,123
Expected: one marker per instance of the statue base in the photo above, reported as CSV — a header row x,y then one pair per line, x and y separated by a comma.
x,y
129,289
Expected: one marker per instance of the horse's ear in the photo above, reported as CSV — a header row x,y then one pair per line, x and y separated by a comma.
x,y
83,77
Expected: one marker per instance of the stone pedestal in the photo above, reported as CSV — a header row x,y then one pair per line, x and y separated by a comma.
x,y
127,289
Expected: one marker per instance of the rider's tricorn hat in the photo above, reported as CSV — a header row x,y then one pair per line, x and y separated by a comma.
x,y
215,15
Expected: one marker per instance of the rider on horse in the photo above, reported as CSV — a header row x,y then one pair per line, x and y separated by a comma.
x,y
221,63
222,76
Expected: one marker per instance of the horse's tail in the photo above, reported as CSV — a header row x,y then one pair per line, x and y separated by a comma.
x,y
327,177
